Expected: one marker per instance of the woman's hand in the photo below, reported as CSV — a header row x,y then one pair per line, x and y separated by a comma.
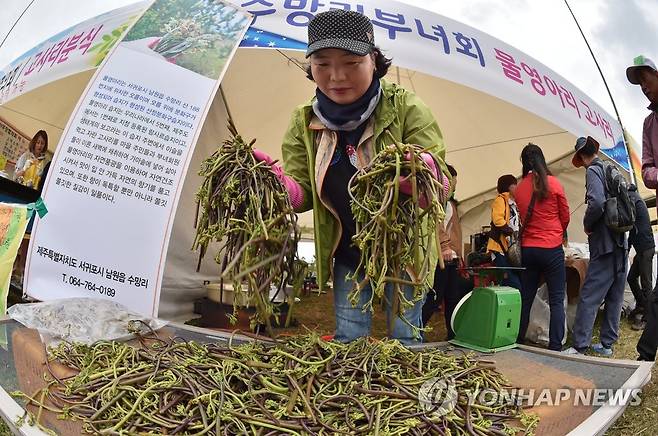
x,y
405,182
429,161
449,255
261,156
294,189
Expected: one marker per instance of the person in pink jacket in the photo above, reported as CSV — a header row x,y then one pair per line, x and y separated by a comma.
x,y
643,72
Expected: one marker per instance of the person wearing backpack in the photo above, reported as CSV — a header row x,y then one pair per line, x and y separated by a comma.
x,y
606,272
643,72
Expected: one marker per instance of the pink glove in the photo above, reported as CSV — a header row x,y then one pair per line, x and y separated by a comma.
x,y
294,189
429,161
405,182
261,156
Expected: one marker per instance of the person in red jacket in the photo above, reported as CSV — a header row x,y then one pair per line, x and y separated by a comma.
x,y
544,212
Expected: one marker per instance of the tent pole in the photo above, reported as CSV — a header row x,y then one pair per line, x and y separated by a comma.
x,y
560,157
623,130
411,81
5,107
630,159
600,72
15,23
471,147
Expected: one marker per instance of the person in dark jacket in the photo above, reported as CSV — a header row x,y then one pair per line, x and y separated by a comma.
x,y
641,272
606,272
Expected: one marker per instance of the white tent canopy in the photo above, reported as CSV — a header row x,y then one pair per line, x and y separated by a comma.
x,y
485,125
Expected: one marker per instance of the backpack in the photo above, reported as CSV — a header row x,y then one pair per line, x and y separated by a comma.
x,y
619,213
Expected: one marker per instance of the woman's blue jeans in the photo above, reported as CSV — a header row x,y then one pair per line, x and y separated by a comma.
x,y
549,263
353,322
511,278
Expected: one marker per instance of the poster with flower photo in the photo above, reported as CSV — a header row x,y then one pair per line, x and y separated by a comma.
x,y
117,174
195,34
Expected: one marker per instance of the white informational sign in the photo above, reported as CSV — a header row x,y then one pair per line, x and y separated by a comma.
x,y
114,183
78,48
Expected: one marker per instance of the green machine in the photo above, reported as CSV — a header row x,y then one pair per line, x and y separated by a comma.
x,y
487,318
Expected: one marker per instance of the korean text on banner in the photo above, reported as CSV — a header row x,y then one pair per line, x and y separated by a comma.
x,y
78,48
13,222
421,40
116,177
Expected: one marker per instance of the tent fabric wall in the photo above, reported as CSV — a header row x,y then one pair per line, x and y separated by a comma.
x,y
475,212
47,107
483,134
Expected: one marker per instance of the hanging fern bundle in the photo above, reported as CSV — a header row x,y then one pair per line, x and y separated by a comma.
x,y
393,243
246,209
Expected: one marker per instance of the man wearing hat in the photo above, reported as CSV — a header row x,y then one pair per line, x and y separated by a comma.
x,y
643,72
606,272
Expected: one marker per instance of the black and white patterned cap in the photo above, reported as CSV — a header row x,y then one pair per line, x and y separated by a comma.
x,y
338,28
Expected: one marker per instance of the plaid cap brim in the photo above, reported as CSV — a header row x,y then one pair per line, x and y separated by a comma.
x,y
357,47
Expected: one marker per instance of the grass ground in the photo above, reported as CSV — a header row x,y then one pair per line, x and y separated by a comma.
x,y
315,312
640,419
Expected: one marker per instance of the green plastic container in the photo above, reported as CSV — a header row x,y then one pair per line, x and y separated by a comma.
x,y
488,320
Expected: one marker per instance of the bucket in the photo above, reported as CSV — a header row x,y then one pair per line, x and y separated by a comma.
x,y
215,294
